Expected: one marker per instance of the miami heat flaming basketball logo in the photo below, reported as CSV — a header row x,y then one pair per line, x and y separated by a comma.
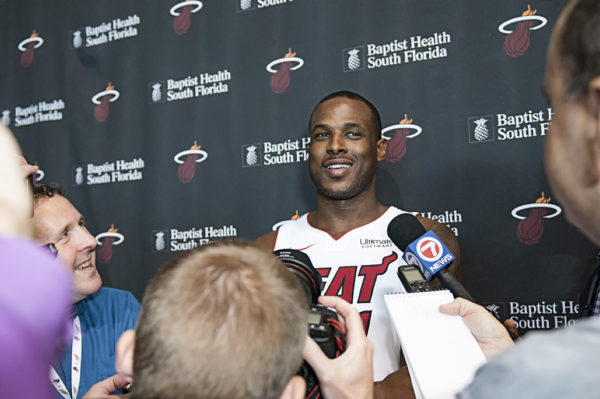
x,y
517,41
397,139
182,13
105,243
531,228
281,77
279,224
110,95
27,47
187,169
39,175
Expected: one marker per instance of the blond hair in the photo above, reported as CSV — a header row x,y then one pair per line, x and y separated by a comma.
x,y
225,320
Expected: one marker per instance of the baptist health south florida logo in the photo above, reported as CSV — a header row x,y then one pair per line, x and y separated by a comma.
x,y
413,49
192,86
506,127
247,5
268,153
175,240
119,171
104,32
38,112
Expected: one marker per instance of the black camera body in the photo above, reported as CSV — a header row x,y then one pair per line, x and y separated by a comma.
x,y
323,324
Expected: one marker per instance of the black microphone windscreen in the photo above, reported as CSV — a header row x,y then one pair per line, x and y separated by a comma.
x,y
404,229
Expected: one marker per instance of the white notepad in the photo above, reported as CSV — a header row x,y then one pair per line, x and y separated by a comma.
x,y
441,353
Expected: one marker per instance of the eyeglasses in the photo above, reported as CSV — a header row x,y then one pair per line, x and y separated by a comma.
x,y
51,248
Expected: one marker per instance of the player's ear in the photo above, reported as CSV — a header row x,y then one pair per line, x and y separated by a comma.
x,y
295,388
594,105
125,350
381,147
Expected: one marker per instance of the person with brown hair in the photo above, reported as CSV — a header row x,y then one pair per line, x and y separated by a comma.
x,y
99,315
227,320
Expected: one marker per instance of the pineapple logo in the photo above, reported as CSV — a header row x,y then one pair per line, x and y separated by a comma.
x,y
77,41
354,59
493,309
481,129
251,155
6,117
160,240
78,176
245,4
156,94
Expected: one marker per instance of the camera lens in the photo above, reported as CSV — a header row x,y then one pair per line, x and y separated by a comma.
x,y
300,265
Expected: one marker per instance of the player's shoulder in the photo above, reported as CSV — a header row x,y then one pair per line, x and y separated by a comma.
x,y
267,241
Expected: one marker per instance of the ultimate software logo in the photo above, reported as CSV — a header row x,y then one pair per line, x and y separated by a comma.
x,y
531,228
182,13
27,47
281,77
517,42
102,109
397,138
105,243
353,58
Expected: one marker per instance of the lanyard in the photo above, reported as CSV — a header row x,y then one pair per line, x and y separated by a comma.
x,y
75,366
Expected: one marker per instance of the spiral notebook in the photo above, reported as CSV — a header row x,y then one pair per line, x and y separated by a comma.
x,y
441,353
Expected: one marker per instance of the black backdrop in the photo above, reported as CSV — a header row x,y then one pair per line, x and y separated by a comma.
x,y
471,93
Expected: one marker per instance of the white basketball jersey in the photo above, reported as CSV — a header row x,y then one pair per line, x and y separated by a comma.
x,y
360,267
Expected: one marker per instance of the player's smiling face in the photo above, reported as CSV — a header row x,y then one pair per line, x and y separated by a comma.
x,y
343,148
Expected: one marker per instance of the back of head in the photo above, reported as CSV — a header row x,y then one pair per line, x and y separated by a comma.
x,y
375,117
225,320
579,47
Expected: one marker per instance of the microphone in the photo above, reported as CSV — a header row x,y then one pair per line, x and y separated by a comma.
x,y
425,250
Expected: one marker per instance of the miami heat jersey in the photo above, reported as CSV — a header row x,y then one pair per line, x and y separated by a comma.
x,y
360,267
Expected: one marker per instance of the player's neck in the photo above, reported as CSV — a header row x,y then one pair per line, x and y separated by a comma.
x,y
337,217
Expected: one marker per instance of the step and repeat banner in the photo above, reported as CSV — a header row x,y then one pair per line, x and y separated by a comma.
x,y
170,124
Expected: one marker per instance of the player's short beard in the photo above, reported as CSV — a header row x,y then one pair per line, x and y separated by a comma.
x,y
360,186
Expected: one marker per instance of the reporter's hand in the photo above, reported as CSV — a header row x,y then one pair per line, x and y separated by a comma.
x,y
491,335
351,374
102,389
